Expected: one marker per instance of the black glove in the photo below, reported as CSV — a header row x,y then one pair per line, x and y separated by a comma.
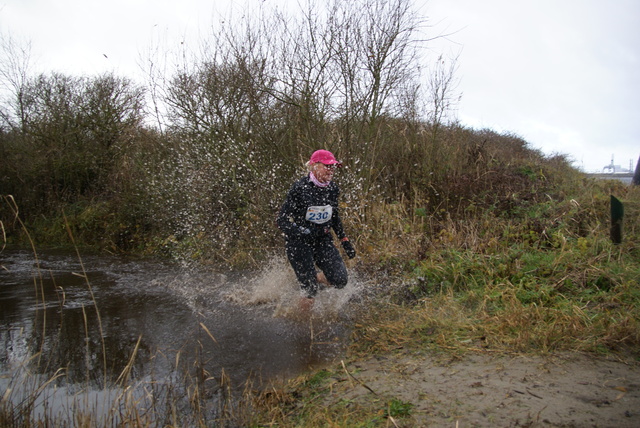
x,y
348,248
300,231
304,230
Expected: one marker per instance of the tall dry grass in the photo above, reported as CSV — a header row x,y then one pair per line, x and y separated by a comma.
x,y
538,277
536,274
37,394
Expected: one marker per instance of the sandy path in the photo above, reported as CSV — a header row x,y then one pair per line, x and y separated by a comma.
x,y
480,390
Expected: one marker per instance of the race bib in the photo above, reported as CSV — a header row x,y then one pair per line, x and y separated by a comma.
x,y
319,215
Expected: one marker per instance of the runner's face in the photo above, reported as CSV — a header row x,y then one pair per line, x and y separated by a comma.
x,y
324,173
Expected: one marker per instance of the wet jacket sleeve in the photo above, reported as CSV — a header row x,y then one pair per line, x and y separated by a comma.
x,y
338,228
291,217
285,217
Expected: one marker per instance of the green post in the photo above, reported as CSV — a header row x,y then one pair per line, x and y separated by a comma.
x,y
617,213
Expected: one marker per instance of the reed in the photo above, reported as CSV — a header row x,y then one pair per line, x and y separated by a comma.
x,y
536,278
543,280
477,243
190,397
186,399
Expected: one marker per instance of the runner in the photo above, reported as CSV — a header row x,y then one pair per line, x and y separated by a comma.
x,y
306,218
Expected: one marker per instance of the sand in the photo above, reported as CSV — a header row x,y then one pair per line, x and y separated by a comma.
x,y
483,390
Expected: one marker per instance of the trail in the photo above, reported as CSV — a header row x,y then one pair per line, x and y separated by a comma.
x,y
484,390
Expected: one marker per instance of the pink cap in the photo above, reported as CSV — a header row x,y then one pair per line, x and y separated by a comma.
x,y
324,156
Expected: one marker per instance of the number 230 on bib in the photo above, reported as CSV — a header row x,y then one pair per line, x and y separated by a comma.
x,y
319,215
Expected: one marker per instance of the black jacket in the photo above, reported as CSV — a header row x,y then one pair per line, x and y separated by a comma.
x,y
296,215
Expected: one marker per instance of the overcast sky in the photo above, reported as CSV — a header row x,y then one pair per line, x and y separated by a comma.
x,y
562,74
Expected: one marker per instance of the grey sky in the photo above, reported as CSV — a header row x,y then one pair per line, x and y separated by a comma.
x,y
562,74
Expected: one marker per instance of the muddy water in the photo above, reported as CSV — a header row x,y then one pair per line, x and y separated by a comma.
x,y
92,315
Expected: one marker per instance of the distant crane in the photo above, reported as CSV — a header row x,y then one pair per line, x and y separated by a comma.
x,y
613,169
609,169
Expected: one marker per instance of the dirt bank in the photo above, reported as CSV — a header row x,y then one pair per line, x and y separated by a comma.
x,y
481,390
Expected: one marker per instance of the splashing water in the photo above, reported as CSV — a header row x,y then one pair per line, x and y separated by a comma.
x,y
253,318
276,287
232,325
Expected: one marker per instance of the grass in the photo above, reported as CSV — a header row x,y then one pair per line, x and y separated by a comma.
x,y
499,276
543,280
187,397
190,398
303,403
520,284
478,243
